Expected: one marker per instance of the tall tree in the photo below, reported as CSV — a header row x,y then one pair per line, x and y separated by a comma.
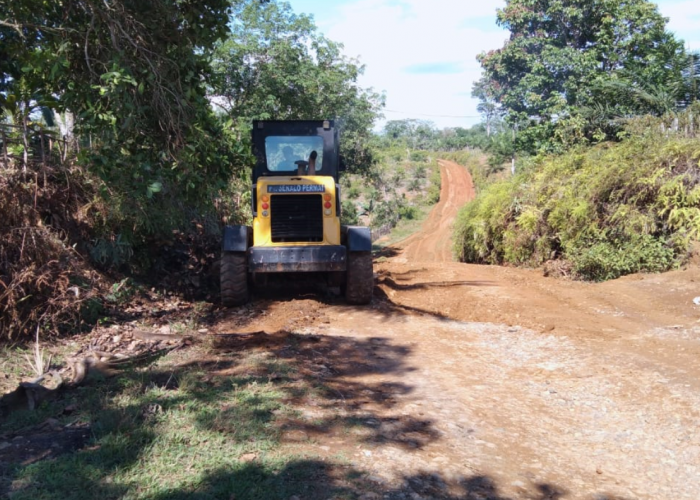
x,y
559,52
276,65
488,106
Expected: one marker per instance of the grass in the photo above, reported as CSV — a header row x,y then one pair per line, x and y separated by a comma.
x,y
168,432
403,229
238,416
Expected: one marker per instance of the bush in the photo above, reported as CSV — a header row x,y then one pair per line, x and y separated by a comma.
x,y
408,212
349,215
45,282
435,185
608,260
609,210
419,156
354,192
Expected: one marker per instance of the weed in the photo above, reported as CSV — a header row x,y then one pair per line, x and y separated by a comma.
x,y
38,363
122,292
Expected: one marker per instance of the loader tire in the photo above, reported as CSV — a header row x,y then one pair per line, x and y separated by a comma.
x,y
359,280
234,279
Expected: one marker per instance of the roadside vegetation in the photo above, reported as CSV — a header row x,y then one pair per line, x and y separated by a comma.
x,y
396,195
602,131
209,422
601,211
124,147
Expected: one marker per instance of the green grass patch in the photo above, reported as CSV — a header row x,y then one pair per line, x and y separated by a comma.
x,y
172,432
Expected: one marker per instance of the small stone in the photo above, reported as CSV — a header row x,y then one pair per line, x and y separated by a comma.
x,y
116,339
369,496
599,470
4,445
165,329
202,330
248,457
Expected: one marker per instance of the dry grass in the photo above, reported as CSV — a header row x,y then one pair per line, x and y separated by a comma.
x,y
43,277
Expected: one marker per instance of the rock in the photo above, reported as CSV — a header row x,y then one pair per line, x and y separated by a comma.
x,y
53,424
369,496
165,330
248,457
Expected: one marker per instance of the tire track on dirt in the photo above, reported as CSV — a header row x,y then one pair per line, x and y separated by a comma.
x,y
434,242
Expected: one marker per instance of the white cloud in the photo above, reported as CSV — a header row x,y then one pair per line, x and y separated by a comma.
x,y
395,39
684,20
390,37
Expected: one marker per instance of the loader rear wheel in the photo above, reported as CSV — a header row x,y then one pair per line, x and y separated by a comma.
x,y
234,279
359,280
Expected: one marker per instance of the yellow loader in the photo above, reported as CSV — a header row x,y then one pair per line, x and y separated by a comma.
x,y
296,216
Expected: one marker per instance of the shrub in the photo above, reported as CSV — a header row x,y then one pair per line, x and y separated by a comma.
x,y
419,156
354,192
609,210
349,215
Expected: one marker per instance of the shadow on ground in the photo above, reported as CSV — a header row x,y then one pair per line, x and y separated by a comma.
x,y
240,416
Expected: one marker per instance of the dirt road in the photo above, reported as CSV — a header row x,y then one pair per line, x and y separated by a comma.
x,y
477,382
433,243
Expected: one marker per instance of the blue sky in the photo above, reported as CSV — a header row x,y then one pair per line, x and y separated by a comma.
x,y
422,53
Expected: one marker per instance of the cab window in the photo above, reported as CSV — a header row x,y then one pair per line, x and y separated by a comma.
x,y
282,151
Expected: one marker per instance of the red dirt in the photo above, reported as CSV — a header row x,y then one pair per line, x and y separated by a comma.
x,y
501,382
433,242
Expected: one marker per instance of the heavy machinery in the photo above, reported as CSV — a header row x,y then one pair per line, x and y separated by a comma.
x,y
296,216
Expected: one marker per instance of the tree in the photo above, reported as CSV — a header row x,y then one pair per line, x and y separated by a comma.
x,y
275,65
561,51
132,74
488,104
416,134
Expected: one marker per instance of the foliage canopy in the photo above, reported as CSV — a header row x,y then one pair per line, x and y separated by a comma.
x,y
276,65
571,67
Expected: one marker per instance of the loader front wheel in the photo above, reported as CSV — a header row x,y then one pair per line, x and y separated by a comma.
x,y
359,280
234,279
